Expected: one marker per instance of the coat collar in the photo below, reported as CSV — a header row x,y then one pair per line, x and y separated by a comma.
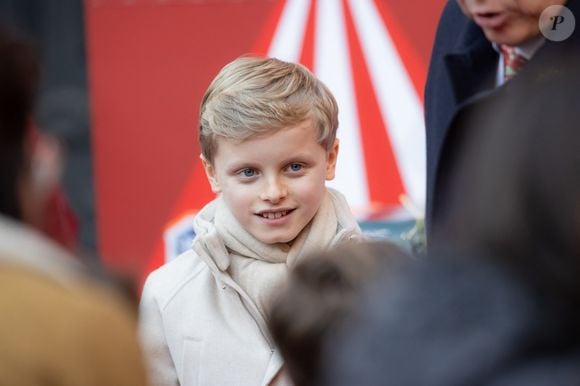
x,y
472,66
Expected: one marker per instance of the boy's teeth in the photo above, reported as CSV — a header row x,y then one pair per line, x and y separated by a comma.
x,y
272,216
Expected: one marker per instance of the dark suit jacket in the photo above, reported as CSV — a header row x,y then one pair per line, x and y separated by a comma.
x,y
461,89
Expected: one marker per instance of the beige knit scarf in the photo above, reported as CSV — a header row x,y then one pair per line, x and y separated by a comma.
x,y
261,269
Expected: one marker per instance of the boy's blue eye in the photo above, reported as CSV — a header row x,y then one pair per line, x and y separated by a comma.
x,y
295,167
248,172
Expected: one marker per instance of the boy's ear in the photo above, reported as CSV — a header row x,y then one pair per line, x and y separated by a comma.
x,y
210,173
331,158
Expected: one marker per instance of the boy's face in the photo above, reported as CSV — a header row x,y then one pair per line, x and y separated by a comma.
x,y
273,184
511,22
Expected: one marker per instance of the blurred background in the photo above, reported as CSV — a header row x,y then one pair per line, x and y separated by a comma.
x,y
57,29
123,80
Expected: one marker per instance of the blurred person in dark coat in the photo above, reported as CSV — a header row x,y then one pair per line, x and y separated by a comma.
x,y
498,301
58,325
477,49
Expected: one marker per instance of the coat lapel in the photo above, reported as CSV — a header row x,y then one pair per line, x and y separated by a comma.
x,y
472,67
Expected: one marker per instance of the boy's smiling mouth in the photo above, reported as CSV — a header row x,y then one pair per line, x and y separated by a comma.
x,y
274,214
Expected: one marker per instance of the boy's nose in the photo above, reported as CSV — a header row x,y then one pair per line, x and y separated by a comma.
x,y
274,191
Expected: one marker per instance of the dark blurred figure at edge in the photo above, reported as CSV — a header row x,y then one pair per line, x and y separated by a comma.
x,y
498,300
478,46
57,31
58,325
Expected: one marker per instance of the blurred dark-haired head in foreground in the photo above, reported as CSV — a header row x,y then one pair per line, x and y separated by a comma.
x,y
322,291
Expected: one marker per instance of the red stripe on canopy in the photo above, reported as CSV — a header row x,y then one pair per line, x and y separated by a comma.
x,y
384,182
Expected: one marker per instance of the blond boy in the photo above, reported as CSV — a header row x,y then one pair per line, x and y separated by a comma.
x,y
268,139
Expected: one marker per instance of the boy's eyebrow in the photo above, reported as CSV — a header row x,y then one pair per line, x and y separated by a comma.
x,y
298,157
236,165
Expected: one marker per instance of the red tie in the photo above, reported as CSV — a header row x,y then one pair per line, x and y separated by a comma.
x,y
512,62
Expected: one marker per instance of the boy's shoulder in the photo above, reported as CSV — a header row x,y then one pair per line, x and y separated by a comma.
x,y
168,279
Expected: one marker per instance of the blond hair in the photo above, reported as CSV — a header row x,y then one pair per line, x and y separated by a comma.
x,y
253,96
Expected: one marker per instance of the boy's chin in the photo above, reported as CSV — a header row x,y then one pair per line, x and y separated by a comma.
x,y
276,239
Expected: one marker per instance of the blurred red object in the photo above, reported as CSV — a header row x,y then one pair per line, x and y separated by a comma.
x,y
60,221
53,214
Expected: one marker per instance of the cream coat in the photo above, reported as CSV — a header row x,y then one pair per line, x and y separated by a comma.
x,y
199,327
